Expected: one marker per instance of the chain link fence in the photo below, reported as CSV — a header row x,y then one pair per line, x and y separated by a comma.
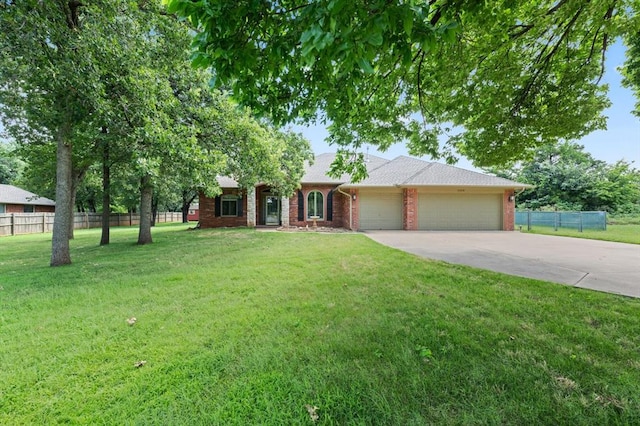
x,y
558,219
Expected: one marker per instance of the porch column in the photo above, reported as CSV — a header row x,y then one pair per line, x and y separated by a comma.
x,y
284,211
251,207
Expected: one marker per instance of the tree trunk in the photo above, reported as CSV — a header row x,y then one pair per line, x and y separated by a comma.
x,y
73,206
186,203
106,195
146,198
63,219
154,210
185,212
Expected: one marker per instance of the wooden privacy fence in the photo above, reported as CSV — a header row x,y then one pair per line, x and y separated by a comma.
x,y
33,223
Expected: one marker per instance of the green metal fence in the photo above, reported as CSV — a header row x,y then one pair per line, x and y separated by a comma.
x,y
573,220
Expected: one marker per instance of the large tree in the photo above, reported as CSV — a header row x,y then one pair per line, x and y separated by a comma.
x,y
49,85
508,76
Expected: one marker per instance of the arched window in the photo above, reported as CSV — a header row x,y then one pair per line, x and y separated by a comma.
x,y
315,206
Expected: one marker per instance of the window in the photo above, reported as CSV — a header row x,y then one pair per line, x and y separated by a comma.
x,y
28,209
314,205
229,205
3,209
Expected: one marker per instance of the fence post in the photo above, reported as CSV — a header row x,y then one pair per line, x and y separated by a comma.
x,y
44,220
528,220
580,221
13,224
555,221
605,220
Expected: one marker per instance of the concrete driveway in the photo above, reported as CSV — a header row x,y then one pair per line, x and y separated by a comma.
x,y
596,265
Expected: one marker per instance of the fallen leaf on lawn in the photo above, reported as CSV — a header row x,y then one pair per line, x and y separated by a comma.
x,y
131,320
139,364
311,409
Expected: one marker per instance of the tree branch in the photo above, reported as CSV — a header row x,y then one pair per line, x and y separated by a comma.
x,y
545,61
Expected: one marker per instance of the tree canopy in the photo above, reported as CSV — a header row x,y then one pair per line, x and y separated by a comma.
x,y
10,166
565,177
497,79
108,83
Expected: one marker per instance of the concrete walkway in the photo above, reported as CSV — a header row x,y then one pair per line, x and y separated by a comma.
x,y
596,265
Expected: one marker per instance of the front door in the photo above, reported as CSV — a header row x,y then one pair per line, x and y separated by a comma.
x,y
272,210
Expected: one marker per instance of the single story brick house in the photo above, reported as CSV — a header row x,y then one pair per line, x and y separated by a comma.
x,y
17,200
404,193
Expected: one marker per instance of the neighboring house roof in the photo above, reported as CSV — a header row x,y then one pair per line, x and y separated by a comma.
x,y
10,194
401,171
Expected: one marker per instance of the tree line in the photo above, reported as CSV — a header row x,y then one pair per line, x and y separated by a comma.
x,y
565,177
103,91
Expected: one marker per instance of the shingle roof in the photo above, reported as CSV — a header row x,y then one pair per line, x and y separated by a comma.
x,y
443,174
407,171
317,172
10,194
227,182
401,171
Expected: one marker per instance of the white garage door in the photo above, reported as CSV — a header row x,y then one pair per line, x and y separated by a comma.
x,y
452,212
380,210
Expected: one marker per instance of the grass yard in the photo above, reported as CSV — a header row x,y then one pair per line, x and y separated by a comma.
x,y
618,233
244,327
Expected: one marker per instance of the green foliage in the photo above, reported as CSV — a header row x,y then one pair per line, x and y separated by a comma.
x,y
631,68
276,323
115,88
513,76
10,166
568,178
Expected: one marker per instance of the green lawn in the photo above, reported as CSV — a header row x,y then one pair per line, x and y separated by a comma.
x,y
244,327
618,233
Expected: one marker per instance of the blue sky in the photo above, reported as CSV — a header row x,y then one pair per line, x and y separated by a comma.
x,y
620,141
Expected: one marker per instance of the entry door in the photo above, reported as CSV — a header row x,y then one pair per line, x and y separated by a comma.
x,y
272,210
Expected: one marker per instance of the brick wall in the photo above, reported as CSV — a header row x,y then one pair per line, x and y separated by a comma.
x,y
19,208
339,201
208,218
509,210
355,213
410,209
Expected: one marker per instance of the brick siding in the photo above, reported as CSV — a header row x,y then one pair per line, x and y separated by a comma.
x,y
509,211
208,217
410,209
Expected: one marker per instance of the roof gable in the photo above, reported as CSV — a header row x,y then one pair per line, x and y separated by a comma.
x,y
10,194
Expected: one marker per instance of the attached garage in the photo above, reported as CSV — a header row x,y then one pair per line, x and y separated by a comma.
x,y
459,211
380,209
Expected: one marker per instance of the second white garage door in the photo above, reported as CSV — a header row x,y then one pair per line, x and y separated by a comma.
x,y
380,210
464,212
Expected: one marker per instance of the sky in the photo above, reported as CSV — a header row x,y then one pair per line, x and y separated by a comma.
x,y
621,140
